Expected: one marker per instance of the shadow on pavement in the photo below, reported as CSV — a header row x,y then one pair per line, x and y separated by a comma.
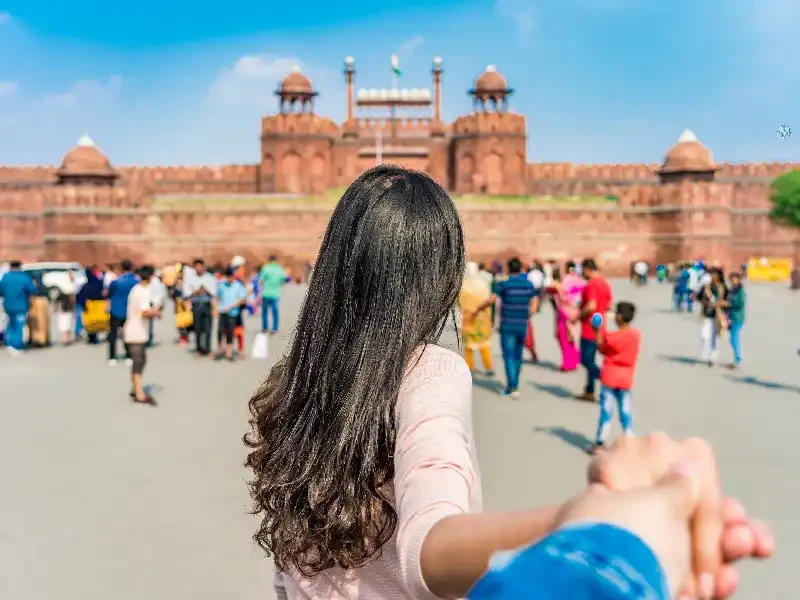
x,y
559,391
568,436
762,383
684,360
547,364
488,384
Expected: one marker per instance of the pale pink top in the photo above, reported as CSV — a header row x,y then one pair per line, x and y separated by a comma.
x,y
436,475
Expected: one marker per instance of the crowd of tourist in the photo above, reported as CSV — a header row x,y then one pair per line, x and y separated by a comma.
x,y
362,452
123,302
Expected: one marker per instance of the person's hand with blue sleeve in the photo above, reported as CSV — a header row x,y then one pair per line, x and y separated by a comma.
x,y
606,546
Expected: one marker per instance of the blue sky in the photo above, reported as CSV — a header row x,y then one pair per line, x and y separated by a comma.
x,y
179,82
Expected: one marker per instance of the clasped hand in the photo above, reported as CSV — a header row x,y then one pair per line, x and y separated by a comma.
x,y
669,494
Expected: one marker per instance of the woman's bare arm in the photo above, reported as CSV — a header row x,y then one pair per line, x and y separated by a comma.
x,y
457,549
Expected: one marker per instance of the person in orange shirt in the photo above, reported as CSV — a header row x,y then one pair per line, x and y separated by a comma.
x,y
621,351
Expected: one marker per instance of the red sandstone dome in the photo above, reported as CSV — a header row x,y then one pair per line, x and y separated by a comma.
x,y
295,83
491,82
86,160
688,155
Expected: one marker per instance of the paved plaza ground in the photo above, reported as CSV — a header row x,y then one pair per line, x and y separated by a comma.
x,y
102,498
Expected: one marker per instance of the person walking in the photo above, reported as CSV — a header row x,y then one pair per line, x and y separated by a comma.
x,y
476,328
620,349
16,289
91,292
272,278
536,277
596,298
139,309
518,301
66,303
713,298
118,291
158,300
737,301
200,290
231,299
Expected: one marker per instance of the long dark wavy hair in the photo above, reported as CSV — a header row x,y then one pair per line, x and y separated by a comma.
x,y
322,433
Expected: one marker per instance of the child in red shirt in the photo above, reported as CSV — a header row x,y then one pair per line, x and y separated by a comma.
x,y
621,351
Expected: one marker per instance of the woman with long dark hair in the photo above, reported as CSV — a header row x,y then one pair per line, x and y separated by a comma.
x,y
362,449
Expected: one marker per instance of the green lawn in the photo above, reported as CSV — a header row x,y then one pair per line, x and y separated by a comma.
x,y
330,197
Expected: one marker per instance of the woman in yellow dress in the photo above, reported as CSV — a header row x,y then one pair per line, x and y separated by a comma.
x,y
476,330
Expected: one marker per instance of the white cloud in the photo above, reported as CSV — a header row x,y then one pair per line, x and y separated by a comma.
x,y
54,120
84,94
251,79
521,13
251,82
5,17
410,46
8,87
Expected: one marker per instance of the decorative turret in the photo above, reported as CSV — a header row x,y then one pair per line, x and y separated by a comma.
x,y
296,93
86,164
491,91
688,159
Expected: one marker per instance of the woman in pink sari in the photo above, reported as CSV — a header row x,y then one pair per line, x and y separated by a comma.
x,y
566,298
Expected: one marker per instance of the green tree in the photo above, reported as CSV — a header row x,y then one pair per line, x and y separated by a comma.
x,y
785,198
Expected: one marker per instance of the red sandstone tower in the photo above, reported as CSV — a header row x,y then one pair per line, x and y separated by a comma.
x,y
296,144
687,160
489,145
85,164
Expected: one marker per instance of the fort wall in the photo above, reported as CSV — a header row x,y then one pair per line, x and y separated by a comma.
x,y
658,223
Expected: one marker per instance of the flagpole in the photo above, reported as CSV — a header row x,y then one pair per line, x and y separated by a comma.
x,y
393,111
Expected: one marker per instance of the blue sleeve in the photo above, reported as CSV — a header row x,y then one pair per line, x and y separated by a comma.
x,y
112,288
582,562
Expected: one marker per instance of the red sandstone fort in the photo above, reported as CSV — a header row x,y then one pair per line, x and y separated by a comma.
x,y
687,206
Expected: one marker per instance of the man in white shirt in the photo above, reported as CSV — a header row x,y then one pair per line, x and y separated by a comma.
x,y
536,276
135,332
641,269
158,300
110,275
201,289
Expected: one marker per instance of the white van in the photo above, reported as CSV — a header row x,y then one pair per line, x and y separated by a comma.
x,y
54,275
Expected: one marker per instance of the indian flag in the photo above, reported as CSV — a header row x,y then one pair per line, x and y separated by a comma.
x,y
396,65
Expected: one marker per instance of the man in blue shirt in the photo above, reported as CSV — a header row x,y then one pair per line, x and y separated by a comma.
x,y
518,301
118,292
16,288
231,297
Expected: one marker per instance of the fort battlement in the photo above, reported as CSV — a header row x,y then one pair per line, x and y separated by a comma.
x,y
687,205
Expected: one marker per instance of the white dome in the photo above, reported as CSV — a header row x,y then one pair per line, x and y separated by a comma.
x,y
394,93
425,94
404,94
687,136
384,94
85,142
373,92
362,93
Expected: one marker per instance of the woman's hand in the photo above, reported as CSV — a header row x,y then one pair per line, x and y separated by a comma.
x,y
721,530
